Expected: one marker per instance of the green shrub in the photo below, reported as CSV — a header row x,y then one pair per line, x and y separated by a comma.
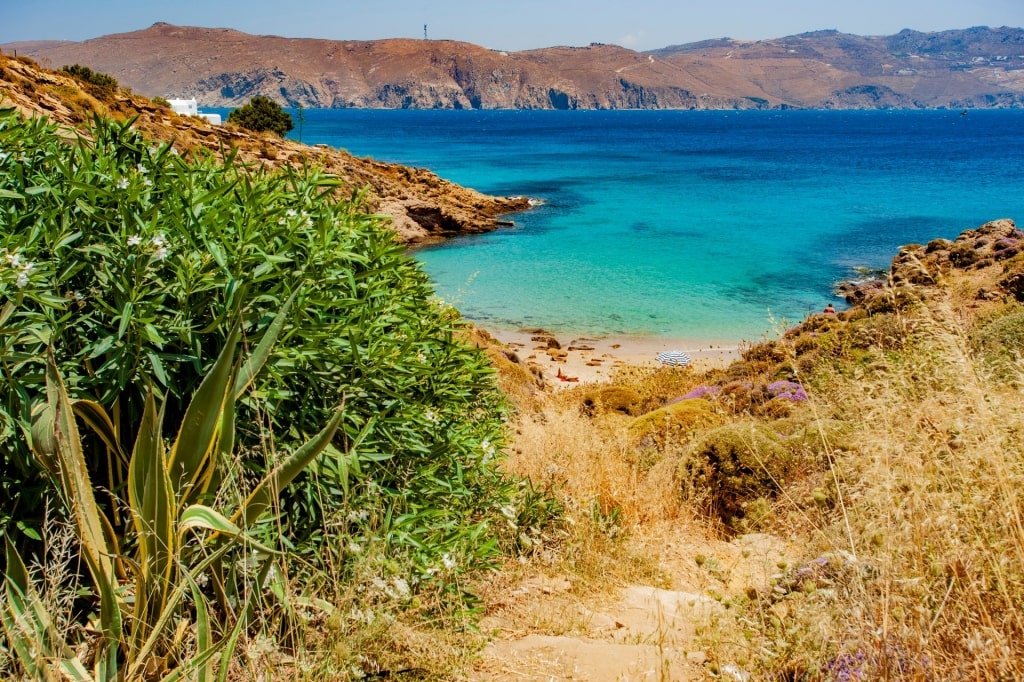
x,y
260,114
133,263
99,85
87,75
161,101
732,466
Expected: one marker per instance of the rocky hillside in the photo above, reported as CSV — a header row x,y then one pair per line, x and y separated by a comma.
x,y
977,67
423,207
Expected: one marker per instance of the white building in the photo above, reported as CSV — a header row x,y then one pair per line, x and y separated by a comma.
x,y
189,107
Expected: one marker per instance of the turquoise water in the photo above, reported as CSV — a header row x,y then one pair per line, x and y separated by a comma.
x,y
709,226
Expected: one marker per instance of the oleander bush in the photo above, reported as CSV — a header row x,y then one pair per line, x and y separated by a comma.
x,y
133,264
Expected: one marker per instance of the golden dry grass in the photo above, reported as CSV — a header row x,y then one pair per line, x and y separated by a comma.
x,y
911,530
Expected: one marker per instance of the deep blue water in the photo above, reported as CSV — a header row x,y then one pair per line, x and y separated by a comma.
x,y
699,225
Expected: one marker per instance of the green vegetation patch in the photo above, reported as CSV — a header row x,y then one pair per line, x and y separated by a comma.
x,y
262,114
133,264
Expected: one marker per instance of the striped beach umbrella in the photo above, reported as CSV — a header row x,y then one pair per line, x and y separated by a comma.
x,y
675,358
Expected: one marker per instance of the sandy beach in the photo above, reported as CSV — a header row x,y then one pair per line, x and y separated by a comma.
x,y
573,360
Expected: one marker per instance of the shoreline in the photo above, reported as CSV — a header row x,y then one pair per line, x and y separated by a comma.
x,y
586,358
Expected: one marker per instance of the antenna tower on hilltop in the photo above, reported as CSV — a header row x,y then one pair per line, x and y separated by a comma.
x,y
425,32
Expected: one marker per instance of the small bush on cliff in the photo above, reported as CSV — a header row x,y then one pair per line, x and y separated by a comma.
x,y
87,75
261,114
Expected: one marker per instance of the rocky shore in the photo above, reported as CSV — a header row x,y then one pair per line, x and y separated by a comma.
x,y
926,265
423,207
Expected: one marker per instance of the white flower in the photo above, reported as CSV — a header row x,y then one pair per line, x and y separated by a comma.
x,y
14,260
421,358
355,547
142,169
431,416
448,561
359,516
159,240
134,240
400,588
22,279
488,449
291,213
161,253
122,183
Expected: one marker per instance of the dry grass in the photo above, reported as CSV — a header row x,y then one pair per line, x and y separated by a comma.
x,y
911,529
920,576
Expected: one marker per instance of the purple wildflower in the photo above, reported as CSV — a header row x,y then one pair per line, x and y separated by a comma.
x,y
703,392
787,390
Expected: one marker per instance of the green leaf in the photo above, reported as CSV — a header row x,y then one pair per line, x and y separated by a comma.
x,y
93,414
79,495
126,318
262,351
202,517
152,503
29,531
270,487
191,460
158,368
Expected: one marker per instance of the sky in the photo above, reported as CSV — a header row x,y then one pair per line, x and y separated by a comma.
x,y
508,25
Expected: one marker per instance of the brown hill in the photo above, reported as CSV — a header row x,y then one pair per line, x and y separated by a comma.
x,y
977,67
423,207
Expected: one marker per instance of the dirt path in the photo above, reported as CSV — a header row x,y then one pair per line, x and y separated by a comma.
x,y
543,630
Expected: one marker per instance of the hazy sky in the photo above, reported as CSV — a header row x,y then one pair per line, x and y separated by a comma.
x,y
508,25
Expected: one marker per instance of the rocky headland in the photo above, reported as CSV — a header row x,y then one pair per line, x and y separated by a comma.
x,y
424,208
971,68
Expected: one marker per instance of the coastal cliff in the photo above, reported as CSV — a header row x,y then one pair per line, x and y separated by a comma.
x,y
423,207
971,68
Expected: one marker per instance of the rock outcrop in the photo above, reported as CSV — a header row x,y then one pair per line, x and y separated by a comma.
x,y
424,208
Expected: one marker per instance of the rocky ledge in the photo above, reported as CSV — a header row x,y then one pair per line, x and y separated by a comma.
x,y
917,265
423,207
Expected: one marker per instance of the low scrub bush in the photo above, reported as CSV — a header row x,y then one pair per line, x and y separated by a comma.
x,y
728,468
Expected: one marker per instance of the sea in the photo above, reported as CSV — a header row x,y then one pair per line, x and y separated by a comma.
x,y
709,226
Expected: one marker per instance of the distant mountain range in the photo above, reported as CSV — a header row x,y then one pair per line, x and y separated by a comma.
x,y
971,68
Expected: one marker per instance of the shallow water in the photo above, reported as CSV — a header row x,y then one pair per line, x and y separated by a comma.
x,y
697,225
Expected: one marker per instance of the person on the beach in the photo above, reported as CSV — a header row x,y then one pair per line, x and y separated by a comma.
x,y
829,310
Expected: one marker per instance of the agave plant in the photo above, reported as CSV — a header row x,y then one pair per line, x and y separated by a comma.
x,y
177,533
